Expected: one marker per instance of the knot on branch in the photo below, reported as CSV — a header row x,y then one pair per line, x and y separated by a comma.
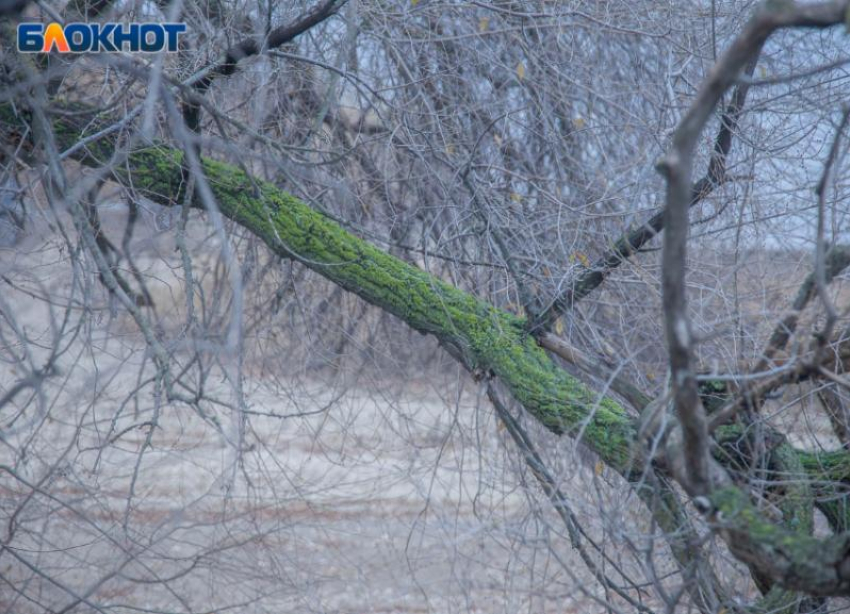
x,y
703,505
667,164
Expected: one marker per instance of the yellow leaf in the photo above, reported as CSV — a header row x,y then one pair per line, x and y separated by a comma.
x,y
450,149
516,197
501,426
497,139
520,71
599,468
762,72
414,2
579,123
581,257
483,24
559,326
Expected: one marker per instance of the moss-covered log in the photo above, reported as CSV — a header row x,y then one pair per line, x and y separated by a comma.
x,y
487,339
795,560
829,476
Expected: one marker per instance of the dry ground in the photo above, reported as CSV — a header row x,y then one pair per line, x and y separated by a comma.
x,y
370,496
384,492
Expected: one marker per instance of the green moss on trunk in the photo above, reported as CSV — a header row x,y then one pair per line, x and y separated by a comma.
x,y
795,560
488,339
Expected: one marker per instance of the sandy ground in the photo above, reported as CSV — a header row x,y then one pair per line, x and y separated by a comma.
x,y
364,497
324,493
366,506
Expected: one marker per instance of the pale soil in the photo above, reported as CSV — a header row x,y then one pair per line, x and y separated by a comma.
x,y
385,497
370,494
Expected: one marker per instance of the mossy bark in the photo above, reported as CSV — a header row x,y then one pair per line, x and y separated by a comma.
x,y
793,559
489,341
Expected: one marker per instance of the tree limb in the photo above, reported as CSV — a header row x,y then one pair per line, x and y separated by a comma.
x,y
631,243
228,64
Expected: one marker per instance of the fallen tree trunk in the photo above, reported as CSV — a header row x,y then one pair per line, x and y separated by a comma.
x,y
488,341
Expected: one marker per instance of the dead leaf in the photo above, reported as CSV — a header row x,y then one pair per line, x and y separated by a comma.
x,y
581,257
559,326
